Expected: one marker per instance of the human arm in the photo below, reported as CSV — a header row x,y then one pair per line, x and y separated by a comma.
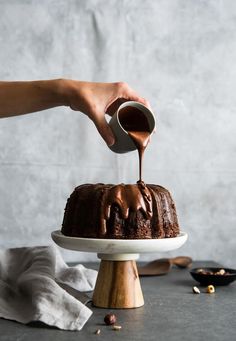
x,y
93,99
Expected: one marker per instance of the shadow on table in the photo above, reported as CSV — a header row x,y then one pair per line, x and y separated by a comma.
x,y
184,282
39,324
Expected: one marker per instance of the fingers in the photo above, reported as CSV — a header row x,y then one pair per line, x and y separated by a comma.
x,y
105,130
113,107
108,98
133,96
145,102
124,92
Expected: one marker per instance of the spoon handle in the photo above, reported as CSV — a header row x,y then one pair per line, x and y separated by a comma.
x,y
181,261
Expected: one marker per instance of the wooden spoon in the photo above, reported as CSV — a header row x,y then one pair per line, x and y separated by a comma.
x,y
163,265
182,261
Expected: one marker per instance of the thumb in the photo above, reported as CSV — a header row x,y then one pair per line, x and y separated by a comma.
x,y
105,131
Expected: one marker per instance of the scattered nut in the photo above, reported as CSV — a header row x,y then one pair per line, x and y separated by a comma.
x,y
221,272
117,327
200,271
196,290
98,331
210,289
110,319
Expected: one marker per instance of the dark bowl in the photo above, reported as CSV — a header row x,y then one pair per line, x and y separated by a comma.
x,y
207,279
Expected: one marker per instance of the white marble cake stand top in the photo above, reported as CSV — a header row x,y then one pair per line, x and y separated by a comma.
x,y
120,249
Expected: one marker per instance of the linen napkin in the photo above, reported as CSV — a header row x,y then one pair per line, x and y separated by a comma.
x,y
30,290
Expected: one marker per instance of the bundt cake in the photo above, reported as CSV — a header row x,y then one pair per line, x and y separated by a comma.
x,y
121,211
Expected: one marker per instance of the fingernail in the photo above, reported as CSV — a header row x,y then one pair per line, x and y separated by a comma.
x,y
110,141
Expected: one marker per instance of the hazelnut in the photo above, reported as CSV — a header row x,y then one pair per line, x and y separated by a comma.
x,y
196,290
210,289
117,327
200,271
221,272
110,319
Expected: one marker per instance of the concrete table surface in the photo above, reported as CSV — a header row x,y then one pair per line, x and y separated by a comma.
x,y
171,312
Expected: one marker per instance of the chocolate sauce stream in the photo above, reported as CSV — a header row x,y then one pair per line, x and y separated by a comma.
x,y
127,197
141,140
136,124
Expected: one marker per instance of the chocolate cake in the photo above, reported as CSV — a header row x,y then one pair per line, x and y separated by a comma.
x,y
121,211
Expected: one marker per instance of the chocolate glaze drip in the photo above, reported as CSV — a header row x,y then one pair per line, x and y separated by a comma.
x,y
128,198
120,211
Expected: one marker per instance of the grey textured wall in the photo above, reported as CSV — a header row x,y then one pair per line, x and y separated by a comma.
x,y
181,55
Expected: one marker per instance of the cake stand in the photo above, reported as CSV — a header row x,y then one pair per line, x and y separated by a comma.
x,y
118,284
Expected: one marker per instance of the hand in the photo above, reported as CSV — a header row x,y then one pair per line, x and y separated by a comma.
x,y
93,99
96,99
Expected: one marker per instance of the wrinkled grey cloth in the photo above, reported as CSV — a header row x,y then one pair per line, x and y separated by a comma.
x,y
29,289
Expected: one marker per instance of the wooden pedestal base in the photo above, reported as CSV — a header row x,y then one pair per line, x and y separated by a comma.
x,y
118,285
